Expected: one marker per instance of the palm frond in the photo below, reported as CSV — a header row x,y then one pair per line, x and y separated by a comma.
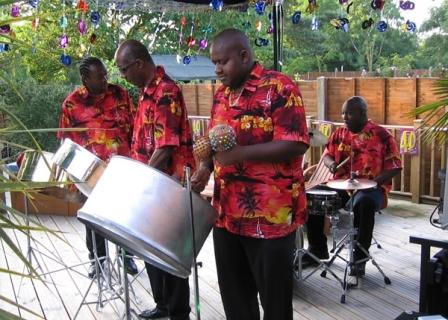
x,y
6,315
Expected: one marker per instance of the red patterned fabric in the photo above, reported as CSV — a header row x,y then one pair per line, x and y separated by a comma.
x,y
109,118
161,121
261,199
374,150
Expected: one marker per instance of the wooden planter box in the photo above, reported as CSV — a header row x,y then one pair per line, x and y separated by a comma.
x,y
47,201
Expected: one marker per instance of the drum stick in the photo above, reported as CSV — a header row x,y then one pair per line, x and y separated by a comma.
x,y
342,163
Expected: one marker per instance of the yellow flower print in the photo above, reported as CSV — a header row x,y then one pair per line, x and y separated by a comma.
x,y
246,122
295,190
281,216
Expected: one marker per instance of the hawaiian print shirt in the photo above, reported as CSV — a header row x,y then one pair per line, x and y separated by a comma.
x,y
161,121
109,118
374,150
261,199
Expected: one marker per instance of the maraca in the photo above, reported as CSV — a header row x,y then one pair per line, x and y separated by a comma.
x,y
222,137
202,148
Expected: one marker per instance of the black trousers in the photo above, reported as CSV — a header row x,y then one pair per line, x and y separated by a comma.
x,y
171,293
365,204
100,244
250,266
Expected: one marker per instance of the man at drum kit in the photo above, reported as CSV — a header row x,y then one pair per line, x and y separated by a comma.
x,y
367,151
107,111
259,188
161,139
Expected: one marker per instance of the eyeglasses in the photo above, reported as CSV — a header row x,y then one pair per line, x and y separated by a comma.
x,y
125,69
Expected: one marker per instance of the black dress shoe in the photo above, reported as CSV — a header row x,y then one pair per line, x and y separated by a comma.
x,y
155,313
131,267
358,270
92,271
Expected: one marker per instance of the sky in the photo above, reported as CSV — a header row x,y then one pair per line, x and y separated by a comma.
x,y
421,10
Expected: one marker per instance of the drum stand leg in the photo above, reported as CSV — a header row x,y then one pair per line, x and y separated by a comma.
x,y
195,263
107,278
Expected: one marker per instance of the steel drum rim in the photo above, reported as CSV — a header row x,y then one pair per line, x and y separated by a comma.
x,y
115,233
321,192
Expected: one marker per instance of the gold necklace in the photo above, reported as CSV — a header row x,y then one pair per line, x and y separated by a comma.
x,y
232,101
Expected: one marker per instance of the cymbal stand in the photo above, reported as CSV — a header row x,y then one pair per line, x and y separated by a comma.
x,y
195,263
299,252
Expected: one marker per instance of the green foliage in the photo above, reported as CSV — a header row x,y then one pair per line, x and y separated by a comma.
x,y
40,108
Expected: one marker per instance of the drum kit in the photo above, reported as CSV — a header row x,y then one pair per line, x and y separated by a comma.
x,y
326,202
137,207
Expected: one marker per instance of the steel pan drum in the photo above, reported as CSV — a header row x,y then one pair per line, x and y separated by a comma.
x,y
83,167
36,166
146,212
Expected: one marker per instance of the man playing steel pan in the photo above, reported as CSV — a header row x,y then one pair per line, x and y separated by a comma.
x,y
367,151
106,110
162,139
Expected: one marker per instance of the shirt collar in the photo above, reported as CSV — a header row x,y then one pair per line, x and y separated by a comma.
x,y
159,74
84,93
253,80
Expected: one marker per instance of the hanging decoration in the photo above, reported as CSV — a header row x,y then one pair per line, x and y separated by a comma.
x,y
63,38
95,18
296,17
382,26
366,24
260,7
348,7
34,3
340,24
183,23
343,1
377,4
5,29
217,5
315,24
4,47
66,60
271,24
408,26
312,6
260,41
15,11
203,43
407,5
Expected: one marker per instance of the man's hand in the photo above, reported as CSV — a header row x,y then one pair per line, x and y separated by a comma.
x,y
200,178
333,167
228,157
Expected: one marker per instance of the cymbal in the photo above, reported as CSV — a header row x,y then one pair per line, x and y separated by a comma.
x,y
317,138
351,184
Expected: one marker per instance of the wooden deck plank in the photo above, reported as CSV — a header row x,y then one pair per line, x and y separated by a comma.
x,y
315,298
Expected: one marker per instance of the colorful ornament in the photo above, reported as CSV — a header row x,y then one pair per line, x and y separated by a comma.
x,y
203,43
343,1
261,42
63,41
4,47
340,24
377,4
186,60
296,17
222,138
407,5
34,3
5,29
82,6
382,26
82,27
367,23
35,24
93,38
15,11
410,26
315,24
95,17
258,26
63,22
312,6
348,7
260,7
217,5
65,59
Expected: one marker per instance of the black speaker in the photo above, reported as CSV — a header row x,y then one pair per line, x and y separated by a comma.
x,y
437,284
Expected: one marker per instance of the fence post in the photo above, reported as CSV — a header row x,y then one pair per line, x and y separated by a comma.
x,y
321,98
416,161
308,156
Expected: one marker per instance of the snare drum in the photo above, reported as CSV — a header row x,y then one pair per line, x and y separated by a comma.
x,y
83,167
322,202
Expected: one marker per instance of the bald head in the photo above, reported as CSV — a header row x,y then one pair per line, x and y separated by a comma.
x,y
354,113
233,58
135,63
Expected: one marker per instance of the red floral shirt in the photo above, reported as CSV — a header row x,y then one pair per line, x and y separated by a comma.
x,y
109,118
261,199
374,150
161,121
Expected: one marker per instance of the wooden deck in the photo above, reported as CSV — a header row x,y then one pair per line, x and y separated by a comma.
x,y
60,296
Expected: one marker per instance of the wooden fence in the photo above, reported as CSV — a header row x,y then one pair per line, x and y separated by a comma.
x,y
390,100
418,180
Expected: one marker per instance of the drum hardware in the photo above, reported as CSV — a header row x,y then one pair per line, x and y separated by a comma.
x,y
111,282
351,186
197,302
299,252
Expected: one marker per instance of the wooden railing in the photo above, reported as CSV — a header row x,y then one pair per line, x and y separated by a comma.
x,y
418,180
